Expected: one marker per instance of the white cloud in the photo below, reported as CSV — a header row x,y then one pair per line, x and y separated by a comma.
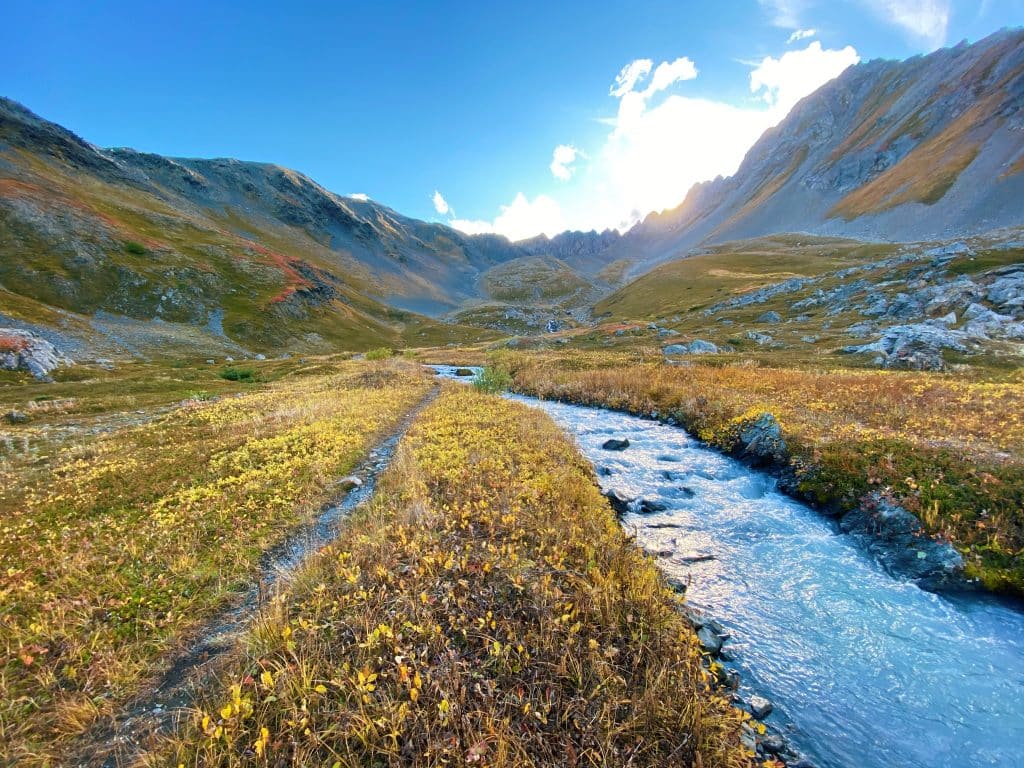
x,y
659,144
785,13
361,196
562,159
521,219
629,76
671,72
440,204
782,82
801,34
927,20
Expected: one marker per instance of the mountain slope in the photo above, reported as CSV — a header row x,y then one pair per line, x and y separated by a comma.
x,y
124,251
927,148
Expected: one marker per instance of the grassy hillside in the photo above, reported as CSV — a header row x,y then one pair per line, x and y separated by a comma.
x,y
78,245
693,283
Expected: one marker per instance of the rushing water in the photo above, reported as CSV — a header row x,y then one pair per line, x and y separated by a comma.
x,y
864,669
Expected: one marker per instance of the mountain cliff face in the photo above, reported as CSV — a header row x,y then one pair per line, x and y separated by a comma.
x,y
928,148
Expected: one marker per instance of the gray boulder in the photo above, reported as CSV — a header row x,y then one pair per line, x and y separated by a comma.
x,y
900,542
1007,292
15,417
760,707
913,347
770,317
761,339
761,439
701,347
695,347
25,351
709,640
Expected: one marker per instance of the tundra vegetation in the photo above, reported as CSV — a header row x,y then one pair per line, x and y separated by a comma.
x,y
485,608
118,541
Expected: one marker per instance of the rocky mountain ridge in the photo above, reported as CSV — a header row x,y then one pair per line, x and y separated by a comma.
x,y
898,151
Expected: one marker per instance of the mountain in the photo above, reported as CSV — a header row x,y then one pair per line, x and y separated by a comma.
x,y
123,251
118,251
927,148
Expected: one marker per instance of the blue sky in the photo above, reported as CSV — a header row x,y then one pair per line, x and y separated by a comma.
x,y
467,100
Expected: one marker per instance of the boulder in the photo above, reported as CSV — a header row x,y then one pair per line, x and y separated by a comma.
x,y
25,351
620,503
946,253
15,417
349,483
615,445
1007,292
695,347
464,372
899,541
773,744
914,347
650,506
760,707
701,347
761,339
761,439
709,640
770,317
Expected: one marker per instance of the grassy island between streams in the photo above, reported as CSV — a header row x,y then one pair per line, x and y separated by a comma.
x,y
485,609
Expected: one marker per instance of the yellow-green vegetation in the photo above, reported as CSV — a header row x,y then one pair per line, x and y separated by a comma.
x,y
485,609
534,279
949,448
115,545
693,283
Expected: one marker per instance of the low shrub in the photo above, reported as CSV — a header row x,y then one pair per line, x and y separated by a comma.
x,y
239,374
493,379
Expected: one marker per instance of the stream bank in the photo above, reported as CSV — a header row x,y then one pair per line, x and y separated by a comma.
x,y
863,668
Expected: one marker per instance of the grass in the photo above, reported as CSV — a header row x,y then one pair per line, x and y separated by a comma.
x,y
948,448
485,609
116,542
690,284
533,279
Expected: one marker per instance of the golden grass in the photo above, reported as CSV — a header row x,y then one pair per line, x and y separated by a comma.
x,y
931,168
119,547
486,609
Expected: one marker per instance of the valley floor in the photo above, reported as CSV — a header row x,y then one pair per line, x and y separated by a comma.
x,y
484,608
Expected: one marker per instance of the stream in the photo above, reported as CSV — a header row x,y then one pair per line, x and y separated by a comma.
x,y
864,670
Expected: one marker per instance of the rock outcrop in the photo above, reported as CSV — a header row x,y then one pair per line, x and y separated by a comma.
x,y
25,351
